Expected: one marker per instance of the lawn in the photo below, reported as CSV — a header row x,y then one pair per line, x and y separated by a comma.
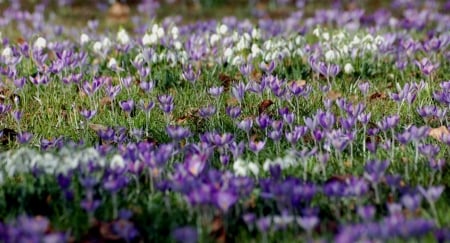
x,y
219,121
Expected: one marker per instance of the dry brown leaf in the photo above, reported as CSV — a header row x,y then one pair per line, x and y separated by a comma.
x,y
333,95
218,230
438,132
105,101
256,76
263,106
232,101
97,127
226,81
300,83
119,12
377,95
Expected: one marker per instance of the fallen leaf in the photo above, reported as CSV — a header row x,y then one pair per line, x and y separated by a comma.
x,y
190,115
339,178
226,81
300,83
97,127
438,132
218,230
333,95
232,101
263,106
377,95
105,101
119,12
256,76
7,135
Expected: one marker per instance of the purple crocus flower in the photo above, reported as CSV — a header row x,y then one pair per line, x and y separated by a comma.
x,y
185,234
411,201
190,75
426,67
238,91
24,137
233,111
433,193
215,91
263,224
225,200
177,132
388,122
256,146
146,106
366,212
88,114
147,86
127,106
308,223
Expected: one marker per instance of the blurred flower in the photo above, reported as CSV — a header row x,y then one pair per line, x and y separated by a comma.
x,y
185,235
348,68
40,43
84,39
123,37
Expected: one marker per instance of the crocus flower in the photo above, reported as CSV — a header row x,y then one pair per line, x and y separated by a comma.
x,y
185,235
127,106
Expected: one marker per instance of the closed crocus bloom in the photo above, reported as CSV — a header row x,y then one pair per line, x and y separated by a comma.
x,y
222,29
213,39
117,162
123,37
112,64
97,47
40,43
84,38
175,32
106,43
348,68
7,53
149,39
331,55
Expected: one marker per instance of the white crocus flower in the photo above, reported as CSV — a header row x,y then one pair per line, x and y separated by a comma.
x,y
177,45
241,45
84,39
348,68
368,38
48,163
379,40
356,41
149,39
106,43
213,39
40,43
244,168
175,32
255,49
7,54
222,29
112,63
228,52
326,36
316,32
331,55
97,47
139,58
123,37
160,32
117,162
237,60
254,168
256,34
